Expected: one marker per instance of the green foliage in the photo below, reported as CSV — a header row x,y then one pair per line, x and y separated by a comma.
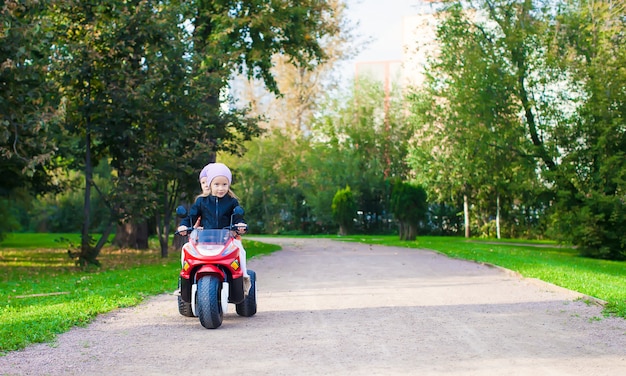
x,y
591,211
248,34
444,220
8,221
42,294
126,83
344,210
27,101
408,202
565,156
591,226
63,212
410,206
353,142
273,161
361,140
472,143
140,86
28,109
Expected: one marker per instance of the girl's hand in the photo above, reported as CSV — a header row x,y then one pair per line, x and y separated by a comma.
x,y
241,228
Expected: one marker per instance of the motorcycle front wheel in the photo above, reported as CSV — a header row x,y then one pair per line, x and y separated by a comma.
x,y
209,307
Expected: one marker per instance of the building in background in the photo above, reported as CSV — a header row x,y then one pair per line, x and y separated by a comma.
x,y
418,44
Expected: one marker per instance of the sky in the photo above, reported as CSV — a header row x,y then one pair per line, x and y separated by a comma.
x,y
380,20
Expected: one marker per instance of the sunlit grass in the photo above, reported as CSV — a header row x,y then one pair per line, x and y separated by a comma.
x,y
43,294
39,240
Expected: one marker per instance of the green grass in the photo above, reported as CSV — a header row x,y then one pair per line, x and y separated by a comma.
x,y
38,240
43,294
562,266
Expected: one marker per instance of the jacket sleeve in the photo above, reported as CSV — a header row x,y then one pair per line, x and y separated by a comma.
x,y
194,213
237,218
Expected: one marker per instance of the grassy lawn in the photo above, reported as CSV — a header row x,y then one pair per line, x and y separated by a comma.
x,y
43,294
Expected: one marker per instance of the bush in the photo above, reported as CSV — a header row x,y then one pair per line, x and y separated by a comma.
x,y
410,207
344,210
596,226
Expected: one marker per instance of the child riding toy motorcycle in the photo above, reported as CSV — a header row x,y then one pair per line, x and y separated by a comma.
x,y
211,274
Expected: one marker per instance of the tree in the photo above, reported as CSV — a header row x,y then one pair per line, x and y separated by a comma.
x,y
344,210
27,108
578,134
102,58
465,119
301,88
473,146
363,139
542,63
410,206
122,65
587,45
282,158
244,37
268,179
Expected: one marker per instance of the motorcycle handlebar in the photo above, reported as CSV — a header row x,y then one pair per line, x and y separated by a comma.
x,y
187,229
240,228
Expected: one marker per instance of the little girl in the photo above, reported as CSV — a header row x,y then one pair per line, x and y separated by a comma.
x,y
214,207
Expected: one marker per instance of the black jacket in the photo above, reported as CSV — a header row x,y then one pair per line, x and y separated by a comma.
x,y
215,212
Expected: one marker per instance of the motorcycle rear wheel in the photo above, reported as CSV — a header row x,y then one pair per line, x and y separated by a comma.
x,y
208,303
247,308
184,308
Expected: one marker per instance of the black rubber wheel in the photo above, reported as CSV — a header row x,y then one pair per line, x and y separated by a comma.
x,y
209,305
247,308
184,308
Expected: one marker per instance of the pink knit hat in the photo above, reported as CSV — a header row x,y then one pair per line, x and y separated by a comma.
x,y
213,170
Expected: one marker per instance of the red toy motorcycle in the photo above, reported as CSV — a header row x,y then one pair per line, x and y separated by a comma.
x,y
211,275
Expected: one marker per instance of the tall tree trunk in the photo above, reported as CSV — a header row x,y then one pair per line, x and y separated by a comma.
x,y
163,221
88,254
466,215
268,221
132,235
498,216
410,232
163,232
87,198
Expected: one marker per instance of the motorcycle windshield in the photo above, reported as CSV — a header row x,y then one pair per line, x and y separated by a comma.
x,y
212,236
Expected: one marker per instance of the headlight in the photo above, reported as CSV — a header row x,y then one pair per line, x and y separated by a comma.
x,y
230,249
209,249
